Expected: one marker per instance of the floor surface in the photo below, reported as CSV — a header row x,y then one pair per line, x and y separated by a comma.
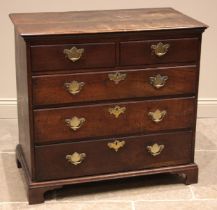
x,y
145,193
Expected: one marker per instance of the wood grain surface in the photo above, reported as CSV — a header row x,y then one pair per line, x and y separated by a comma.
x,y
50,124
51,57
140,52
50,89
51,162
83,22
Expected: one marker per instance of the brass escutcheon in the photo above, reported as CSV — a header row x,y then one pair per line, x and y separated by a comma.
x,y
74,87
75,123
73,54
117,77
76,158
160,49
158,81
155,149
117,110
157,116
116,145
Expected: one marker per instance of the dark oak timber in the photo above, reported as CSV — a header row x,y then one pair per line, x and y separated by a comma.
x,y
50,89
141,60
50,125
84,22
132,156
52,57
140,52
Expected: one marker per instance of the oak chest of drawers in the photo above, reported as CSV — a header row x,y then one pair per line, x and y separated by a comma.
x,y
105,95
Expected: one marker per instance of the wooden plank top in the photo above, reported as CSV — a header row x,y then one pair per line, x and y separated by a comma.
x,y
101,21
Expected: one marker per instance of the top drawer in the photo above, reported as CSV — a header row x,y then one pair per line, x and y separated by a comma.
x,y
72,56
159,51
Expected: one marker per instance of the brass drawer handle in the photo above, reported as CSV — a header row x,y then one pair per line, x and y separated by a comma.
x,y
75,123
157,116
117,110
116,145
76,158
74,87
158,81
73,54
117,77
160,49
155,149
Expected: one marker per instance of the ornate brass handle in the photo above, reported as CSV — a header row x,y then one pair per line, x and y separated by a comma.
x,y
157,116
73,54
155,149
117,77
116,145
158,81
160,49
74,87
76,158
75,123
117,110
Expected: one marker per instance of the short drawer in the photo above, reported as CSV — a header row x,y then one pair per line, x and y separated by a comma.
x,y
159,51
72,56
113,155
96,86
114,119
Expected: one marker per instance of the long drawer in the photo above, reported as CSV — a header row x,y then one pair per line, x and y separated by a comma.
x,y
95,86
114,119
159,51
113,155
72,56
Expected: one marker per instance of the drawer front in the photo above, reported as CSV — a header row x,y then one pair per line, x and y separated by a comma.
x,y
113,155
70,88
159,51
56,125
72,56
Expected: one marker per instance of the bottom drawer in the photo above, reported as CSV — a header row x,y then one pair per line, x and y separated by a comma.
x,y
114,155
